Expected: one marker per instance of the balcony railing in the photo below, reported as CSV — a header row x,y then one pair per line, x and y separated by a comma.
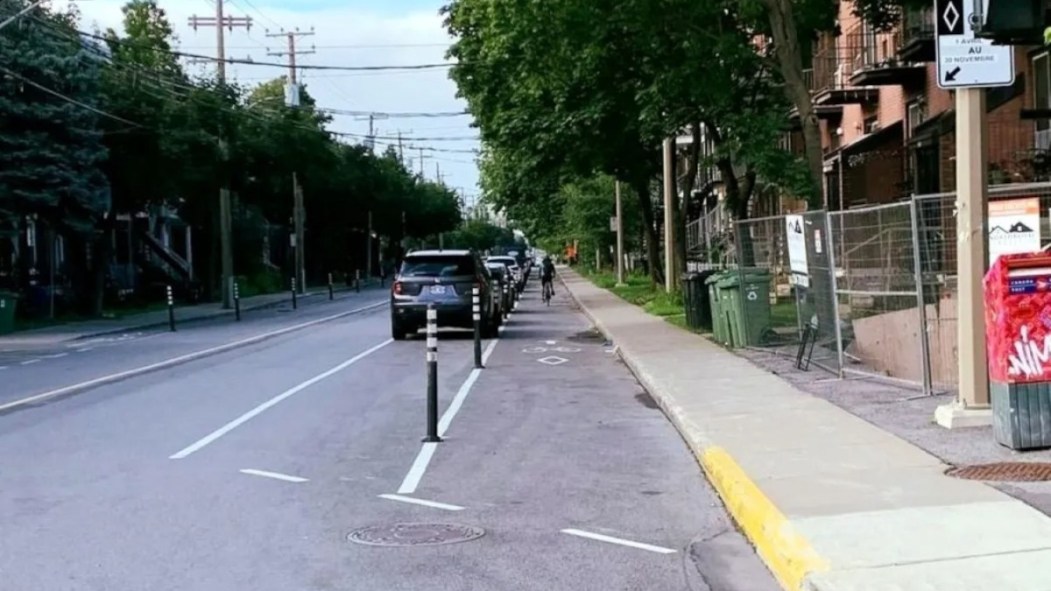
x,y
917,35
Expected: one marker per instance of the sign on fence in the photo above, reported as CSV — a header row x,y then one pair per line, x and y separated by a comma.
x,y
797,261
1014,227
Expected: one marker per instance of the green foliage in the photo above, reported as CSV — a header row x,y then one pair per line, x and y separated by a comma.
x,y
50,149
480,235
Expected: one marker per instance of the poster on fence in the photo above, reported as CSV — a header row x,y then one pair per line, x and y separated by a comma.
x,y
797,249
1014,227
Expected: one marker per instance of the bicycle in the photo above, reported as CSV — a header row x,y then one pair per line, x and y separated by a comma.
x,y
549,291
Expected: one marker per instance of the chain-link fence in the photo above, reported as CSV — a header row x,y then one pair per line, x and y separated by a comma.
x,y
936,231
879,296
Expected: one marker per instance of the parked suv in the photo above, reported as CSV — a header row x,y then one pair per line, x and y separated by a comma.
x,y
444,278
513,267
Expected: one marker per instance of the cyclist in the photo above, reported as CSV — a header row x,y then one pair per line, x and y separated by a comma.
x,y
547,277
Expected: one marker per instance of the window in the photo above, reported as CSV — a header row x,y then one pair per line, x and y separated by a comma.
x,y
437,266
871,123
1042,93
915,114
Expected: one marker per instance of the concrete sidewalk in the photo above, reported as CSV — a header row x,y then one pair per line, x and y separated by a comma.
x,y
62,333
831,502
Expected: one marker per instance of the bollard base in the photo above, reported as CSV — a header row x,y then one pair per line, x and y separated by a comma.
x,y
430,439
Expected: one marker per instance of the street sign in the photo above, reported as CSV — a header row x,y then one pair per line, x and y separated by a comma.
x,y
965,61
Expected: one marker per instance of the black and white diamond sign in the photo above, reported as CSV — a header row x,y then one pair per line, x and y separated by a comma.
x,y
965,61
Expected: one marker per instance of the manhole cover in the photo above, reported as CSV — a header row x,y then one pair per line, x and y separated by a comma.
x,y
415,534
1004,472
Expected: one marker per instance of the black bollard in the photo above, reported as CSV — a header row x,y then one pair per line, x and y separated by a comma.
x,y
237,302
432,375
357,280
295,303
331,290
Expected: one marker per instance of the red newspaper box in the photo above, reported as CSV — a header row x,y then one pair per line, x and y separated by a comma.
x,y
1018,347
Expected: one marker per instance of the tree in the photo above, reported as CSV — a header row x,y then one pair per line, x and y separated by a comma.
x,y
554,88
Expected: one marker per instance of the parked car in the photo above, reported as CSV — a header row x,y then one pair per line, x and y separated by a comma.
x,y
502,275
444,278
512,264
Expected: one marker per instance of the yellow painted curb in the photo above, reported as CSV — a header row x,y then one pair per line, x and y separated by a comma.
x,y
787,554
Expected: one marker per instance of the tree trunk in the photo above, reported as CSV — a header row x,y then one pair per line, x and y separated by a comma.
x,y
653,256
102,252
790,61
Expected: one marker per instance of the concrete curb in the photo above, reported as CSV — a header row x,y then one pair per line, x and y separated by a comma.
x,y
176,361
787,554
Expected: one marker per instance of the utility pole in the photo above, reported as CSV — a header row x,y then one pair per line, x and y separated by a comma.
x,y
221,22
368,249
669,215
620,237
299,213
292,51
421,164
401,149
299,216
438,171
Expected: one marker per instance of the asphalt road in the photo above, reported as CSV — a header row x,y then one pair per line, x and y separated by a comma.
x,y
249,469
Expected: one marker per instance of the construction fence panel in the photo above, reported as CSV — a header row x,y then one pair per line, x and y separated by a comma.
x,y
794,312
937,238
880,318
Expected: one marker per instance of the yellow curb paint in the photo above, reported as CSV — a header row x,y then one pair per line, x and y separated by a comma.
x,y
787,554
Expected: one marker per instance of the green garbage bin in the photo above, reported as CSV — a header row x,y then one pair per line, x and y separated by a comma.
x,y
7,312
720,330
745,297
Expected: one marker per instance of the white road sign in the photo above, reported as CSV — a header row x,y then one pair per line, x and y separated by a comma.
x,y
965,61
796,232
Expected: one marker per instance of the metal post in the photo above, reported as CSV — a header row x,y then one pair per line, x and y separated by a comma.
x,y
295,303
925,349
620,237
237,301
835,294
357,280
331,290
476,316
507,290
669,216
171,310
432,375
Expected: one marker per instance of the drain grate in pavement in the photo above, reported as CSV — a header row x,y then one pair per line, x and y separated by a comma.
x,y
1004,472
588,336
415,534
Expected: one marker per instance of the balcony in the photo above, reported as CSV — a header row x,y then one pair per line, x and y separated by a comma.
x,y
917,36
874,60
832,86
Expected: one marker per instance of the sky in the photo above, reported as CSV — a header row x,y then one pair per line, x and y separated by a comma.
x,y
346,33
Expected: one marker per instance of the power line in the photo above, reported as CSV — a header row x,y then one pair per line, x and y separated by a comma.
x,y
257,11
424,115
69,100
362,46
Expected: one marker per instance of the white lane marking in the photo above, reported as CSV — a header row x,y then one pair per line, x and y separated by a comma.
x,y
431,504
56,356
31,362
620,541
423,459
210,438
419,466
180,359
274,475
84,349
3,367
550,342
454,406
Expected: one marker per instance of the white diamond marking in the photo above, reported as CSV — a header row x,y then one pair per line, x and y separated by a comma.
x,y
553,360
951,16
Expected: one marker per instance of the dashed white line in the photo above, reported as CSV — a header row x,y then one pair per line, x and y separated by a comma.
x,y
274,475
414,501
31,362
56,356
619,541
84,349
210,438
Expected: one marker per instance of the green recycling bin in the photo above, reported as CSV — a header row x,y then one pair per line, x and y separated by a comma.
x,y
720,330
7,312
745,297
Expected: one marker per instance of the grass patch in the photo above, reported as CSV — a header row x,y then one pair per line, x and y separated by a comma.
x,y
640,291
